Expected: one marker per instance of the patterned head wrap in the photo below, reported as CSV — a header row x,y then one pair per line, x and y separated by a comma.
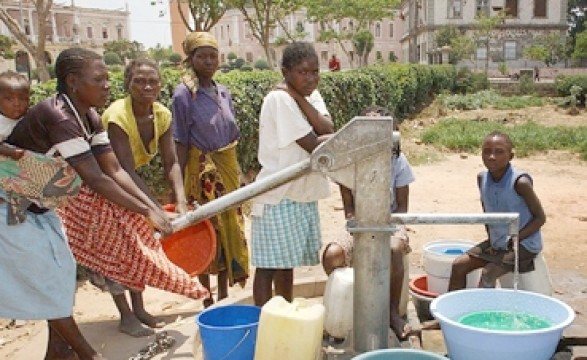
x,y
198,39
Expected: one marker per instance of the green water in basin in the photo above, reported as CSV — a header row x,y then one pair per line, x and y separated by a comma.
x,y
504,321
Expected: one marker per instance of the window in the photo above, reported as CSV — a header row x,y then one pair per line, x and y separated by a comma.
x,y
300,27
27,27
378,30
539,8
455,9
511,8
390,30
90,32
324,56
378,56
249,57
483,7
119,32
104,33
481,53
509,50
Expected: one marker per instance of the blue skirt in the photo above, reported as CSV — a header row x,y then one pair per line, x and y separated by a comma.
x,y
37,269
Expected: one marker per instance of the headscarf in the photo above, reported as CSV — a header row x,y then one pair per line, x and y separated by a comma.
x,y
198,39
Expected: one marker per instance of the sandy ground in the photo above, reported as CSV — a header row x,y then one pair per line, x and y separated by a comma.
x,y
445,185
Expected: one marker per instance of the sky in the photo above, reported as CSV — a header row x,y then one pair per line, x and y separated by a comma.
x,y
149,24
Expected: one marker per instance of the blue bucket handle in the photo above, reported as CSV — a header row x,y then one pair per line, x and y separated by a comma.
x,y
237,344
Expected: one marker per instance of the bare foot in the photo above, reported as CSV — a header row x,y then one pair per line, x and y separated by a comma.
x,y
400,327
149,320
132,326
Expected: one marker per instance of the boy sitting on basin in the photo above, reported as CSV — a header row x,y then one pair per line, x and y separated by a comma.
x,y
503,189
340,252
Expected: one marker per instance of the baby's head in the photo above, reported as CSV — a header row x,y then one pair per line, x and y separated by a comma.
x,y
14,94
300,67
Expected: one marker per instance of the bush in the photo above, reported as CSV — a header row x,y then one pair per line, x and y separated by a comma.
x,y
398,86
246,67
175,58
261,64
527,85
111,58
237,63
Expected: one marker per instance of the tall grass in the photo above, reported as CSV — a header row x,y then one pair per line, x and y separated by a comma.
x,y
488,98
529,138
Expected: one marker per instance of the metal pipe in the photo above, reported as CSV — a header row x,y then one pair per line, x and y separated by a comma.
x,y
431,218
241,195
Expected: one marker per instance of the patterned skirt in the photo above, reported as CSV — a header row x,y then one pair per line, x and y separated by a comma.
x,y
119,244
286,236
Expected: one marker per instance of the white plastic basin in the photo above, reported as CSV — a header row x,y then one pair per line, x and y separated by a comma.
x,y
466,343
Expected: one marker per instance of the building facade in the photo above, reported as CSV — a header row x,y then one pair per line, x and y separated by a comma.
x,y
234,36
525,21
66,26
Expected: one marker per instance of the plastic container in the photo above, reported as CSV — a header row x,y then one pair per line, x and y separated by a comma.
x,y
290,331
338,302
422,298
192,248
438,257
537,281
399,354
465,342
229,332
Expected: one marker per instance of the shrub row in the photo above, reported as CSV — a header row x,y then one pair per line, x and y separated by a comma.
x,y
400,87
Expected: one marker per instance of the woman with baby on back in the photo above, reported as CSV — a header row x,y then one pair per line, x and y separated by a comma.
x,y
67,124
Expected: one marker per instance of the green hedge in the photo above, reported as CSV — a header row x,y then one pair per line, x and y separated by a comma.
x,y
563,84
400,87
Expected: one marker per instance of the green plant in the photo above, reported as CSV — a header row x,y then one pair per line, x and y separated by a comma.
x,y
261,64
528,138
503,68
111,58
526,85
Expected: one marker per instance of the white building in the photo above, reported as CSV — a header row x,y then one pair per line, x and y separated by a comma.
x,y
526,20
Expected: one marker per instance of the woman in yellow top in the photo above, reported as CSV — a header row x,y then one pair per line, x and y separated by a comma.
x,y
128,257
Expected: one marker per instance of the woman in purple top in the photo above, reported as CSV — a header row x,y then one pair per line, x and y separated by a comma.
x,y
206,134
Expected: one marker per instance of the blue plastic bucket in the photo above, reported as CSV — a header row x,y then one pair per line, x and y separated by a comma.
x,y
229,332
399,354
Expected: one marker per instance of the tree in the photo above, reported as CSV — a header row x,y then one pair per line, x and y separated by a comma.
x,y
362,13
550,49
461,46
6,47
484,32
363,42
37,50
206,13
125,49
261,18
576,21
580,51
160,53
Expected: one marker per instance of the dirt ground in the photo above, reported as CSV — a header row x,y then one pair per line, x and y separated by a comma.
x,y
446,183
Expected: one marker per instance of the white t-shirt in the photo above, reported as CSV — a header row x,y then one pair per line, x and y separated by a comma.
x,y
402,175
281,123
6,127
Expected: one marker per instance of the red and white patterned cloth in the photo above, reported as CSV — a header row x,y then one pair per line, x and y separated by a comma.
x,y
119,244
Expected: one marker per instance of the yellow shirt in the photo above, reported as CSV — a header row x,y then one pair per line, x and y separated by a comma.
x,y
120,113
